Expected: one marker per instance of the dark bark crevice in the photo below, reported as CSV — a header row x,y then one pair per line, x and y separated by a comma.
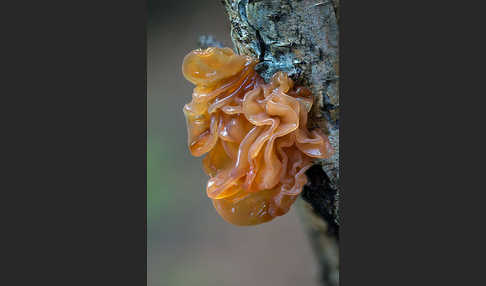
x,y
323,198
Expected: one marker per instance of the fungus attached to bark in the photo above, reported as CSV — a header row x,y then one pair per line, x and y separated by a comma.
x,y
253,133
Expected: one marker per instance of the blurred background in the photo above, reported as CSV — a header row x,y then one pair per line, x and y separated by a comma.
x,y
187,242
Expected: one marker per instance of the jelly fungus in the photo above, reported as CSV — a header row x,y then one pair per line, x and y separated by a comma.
x,y
254,135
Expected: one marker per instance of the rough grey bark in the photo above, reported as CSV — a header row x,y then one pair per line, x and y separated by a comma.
x,y
301,38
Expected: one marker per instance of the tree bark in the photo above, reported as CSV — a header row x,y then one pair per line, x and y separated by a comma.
x,y
301,39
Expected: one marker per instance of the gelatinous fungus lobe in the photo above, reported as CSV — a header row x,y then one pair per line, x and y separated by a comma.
x,y
253,133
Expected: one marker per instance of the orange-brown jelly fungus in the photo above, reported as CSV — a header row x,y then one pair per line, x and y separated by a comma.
x,y
255,136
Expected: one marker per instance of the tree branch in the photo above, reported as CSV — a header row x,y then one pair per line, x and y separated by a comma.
x,y
301,39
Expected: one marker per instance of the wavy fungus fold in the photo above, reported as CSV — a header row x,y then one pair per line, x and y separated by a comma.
x,y
254,135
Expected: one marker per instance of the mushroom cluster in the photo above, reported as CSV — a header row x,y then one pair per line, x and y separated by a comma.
x,y
254,135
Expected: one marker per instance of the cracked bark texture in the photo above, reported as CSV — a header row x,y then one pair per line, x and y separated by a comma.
x,y
301,39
